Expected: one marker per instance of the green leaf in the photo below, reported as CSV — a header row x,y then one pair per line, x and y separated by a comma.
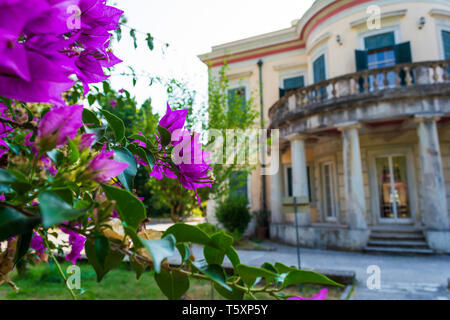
x,y
142,153
249,274
56,156
127,176
160,249
233,256
215,272
270,267
55,210
137,244
65,194
116,125
165,136
7,177
184,250
112,260
173,284
130,209
216,255
74,154
23,244
133,36
235,294
101,249
150,43
137,267
91,100
282,268
311,277
191,234
14,223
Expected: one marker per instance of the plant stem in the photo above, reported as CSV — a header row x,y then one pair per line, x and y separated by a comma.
x,y
74,297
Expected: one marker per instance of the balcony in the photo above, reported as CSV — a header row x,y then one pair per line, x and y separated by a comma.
x,y
399,91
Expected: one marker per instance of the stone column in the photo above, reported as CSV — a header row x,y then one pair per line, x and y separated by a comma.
x,y
276,195
300,177
353,177
433,183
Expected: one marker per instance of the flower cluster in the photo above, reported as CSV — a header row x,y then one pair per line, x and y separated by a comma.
x,y
193,169
45,42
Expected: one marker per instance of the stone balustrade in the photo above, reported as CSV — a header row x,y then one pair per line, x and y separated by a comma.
x,y
361,84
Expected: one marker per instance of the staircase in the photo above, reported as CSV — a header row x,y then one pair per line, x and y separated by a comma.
x,y
397,240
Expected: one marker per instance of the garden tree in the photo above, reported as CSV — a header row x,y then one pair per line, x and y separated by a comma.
x,y
227,109
70,169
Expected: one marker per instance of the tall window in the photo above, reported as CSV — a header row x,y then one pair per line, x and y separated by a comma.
x,y
237,99
292,84
446,42
239,185
320,73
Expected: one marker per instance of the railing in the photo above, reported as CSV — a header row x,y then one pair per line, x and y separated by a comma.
x,y
362,83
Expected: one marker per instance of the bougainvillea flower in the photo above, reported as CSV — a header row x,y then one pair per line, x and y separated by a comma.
x,y
322,295
40,50
37,243
87,140
77,245
173,120
113,103
193,165
59,124
104,167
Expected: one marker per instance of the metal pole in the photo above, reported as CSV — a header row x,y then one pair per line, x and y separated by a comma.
x,y
296,232
298,238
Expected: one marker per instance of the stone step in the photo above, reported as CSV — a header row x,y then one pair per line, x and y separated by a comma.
x,y
398,243
398,250
397,236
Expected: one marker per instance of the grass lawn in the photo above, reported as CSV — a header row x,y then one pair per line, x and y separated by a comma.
x,y
42,282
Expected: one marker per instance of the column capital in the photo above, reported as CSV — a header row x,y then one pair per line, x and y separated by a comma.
x,y
297,137
349,125
426,117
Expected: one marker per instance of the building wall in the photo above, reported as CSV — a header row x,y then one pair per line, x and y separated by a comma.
x,y
390,140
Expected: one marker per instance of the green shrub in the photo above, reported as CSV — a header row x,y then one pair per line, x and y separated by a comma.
x,y
234,214
208,228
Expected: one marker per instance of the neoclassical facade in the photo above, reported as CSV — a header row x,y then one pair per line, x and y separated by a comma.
x,y
360,93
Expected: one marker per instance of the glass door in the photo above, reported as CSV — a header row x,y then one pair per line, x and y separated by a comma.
x,y
393,192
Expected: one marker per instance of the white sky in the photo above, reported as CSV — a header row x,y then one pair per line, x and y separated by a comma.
x,y
192,27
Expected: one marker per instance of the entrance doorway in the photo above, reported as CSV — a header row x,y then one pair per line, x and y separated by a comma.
x,y
393,189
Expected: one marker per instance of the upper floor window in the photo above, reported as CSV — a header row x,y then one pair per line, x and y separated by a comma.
x,y
446,42
292,84
237,99
319,69
382,51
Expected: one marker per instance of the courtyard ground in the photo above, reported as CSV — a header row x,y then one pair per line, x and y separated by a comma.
x,y
402,277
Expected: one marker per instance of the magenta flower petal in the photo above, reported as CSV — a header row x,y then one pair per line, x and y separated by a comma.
x,y
105,168
173,120
37,243
322,295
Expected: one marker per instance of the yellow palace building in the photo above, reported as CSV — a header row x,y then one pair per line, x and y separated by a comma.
x,y
360,93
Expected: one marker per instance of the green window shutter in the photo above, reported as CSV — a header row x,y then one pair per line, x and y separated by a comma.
x,y
446,42
294,83
403,53
380,41
319,69
237,95
361,60
289,182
